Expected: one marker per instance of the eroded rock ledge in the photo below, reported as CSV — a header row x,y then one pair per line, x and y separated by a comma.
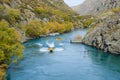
x,y
106,33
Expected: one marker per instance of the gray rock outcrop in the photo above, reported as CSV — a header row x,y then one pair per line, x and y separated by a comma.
x,y
93,7
106,34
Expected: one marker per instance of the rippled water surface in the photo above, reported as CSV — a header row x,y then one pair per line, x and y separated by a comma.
x,y
73,62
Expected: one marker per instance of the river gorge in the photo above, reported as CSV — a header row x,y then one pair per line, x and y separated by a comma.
x,y
73,62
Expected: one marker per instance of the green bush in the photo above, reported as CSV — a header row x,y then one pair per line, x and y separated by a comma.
x,y
88,22
33,29
116,10
54,26
2,8
41,10
12,14
68,26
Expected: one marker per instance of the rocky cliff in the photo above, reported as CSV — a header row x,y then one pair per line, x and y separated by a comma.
x,y
106,32
93,7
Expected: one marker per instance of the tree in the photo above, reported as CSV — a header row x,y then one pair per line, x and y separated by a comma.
x,y
10,43
33,29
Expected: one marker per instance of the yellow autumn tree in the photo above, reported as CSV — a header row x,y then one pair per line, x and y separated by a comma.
x,y
10,43
34,29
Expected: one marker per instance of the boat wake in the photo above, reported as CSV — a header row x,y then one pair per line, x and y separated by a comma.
x,y
45,49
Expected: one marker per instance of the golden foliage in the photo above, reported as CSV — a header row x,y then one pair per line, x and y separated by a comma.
x,y
33,29
12,14
10,45
36,28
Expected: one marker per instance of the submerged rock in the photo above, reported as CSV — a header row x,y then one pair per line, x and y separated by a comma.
x,y
77,39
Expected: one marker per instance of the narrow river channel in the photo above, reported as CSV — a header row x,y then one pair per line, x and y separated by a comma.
x,y
68,62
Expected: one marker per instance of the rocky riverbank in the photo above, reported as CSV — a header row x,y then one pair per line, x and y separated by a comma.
x,y
106,33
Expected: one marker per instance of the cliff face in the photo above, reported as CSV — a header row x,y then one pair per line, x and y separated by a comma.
x,y
93,7
106,33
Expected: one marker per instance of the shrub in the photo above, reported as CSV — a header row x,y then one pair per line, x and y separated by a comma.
x,y
2,8
12,14
116,10
88,22
41,10
58,27
34,29
68,26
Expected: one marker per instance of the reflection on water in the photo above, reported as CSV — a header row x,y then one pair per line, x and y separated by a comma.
x,y
75,62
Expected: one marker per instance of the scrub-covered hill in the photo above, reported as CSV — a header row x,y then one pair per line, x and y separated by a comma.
x,y
46,16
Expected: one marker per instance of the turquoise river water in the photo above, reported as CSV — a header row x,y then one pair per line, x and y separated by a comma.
x,y
67,62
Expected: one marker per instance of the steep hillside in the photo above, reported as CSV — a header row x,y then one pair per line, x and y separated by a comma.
x,y
21,13
93,7
106,33
31,9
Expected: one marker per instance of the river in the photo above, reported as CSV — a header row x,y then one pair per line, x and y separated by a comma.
x,y
73,62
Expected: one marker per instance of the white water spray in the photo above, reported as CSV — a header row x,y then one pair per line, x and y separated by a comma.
x,y
50,45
